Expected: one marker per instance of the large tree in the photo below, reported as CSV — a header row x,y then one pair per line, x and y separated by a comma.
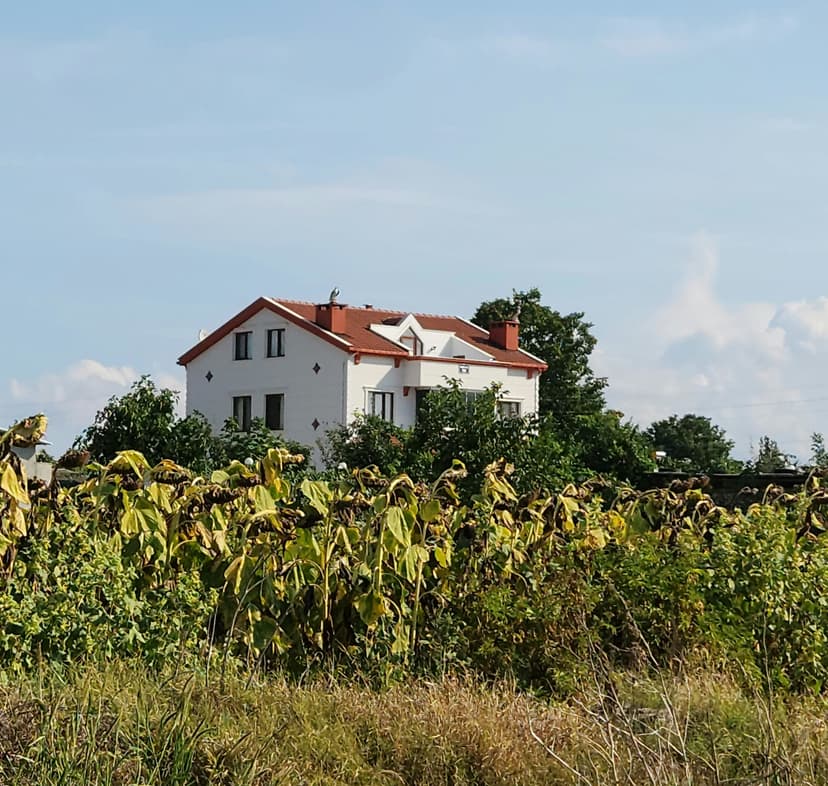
x,y
568,390
693,443
142,419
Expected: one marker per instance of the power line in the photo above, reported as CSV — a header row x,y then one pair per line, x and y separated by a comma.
x,y
770,403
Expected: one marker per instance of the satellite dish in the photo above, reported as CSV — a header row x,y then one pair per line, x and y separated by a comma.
x,y
202,334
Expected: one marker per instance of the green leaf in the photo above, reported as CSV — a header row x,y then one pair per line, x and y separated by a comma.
x,y
262,499
264,631
371,607
430,511
395,521
318,493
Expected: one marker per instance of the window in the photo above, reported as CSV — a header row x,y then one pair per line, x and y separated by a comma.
x,y
275,411
382,405
508,409
241,350
415,346
241,411
471,396
276,343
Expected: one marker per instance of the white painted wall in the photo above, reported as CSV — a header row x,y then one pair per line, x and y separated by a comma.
x,y
33,467
308,395
378,373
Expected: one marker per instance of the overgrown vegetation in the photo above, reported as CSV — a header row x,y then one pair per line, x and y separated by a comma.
x,y
367,628
390,576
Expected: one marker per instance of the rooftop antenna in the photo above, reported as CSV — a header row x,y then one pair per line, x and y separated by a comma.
x,y
334,295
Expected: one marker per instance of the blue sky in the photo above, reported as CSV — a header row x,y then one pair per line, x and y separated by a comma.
x,y
662,170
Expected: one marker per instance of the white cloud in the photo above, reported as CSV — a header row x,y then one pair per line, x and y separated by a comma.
x,y
71,396
642,37
754,368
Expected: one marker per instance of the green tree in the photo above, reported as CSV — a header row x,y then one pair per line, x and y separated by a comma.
x,y
458,424
142,419
191,444
606,444
819,453
367,440
568,389
693,443
770,457
234,444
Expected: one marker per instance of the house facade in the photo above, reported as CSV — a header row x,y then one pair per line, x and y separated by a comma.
x,y
304,368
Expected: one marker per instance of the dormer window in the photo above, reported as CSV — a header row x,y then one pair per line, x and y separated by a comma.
x,y
409,338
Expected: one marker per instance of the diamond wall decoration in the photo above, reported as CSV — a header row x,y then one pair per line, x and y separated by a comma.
x,y
316,424
316,368
209,376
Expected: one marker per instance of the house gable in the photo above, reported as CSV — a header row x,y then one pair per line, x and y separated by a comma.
x,y
254,308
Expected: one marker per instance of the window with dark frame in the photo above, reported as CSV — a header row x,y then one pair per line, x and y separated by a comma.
x,y
276,342
275,411
241,349
242,407
508,409
382,405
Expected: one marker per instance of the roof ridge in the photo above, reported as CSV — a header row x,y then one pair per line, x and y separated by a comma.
x,y
377,308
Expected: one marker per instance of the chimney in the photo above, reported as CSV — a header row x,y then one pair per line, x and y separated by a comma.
x,y
504,334
331,316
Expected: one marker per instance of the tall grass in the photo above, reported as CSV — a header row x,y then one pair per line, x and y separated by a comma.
x,y
121,724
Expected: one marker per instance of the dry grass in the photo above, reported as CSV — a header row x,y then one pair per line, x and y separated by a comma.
x,y
121,725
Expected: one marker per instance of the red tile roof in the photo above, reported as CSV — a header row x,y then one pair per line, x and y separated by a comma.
x,y
360,339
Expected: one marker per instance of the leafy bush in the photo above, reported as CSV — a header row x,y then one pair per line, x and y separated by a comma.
x,y
71,596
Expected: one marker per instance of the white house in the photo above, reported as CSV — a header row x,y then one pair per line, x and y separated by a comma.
x,y
305,367
29,461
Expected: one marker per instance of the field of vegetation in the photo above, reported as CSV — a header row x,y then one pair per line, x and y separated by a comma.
x,y
257,625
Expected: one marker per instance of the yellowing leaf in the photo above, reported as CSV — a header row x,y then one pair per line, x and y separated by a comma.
x,y
10,484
